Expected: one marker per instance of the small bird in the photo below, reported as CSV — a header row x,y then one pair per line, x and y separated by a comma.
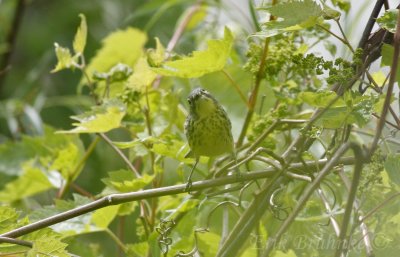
x,y
207,128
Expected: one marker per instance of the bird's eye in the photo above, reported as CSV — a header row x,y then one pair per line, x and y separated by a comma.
x,y
189,101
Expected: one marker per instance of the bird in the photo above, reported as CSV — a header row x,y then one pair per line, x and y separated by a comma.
x,y
208,128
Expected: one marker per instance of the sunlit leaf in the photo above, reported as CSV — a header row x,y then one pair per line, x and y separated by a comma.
x,y
102,118
201,62
64,58
80,36
142,76
122,46
104,216
308,13
156,56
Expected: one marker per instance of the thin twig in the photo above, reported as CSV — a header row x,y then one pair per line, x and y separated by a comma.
x,y
236,86
15,241
121,154
379,206
177,35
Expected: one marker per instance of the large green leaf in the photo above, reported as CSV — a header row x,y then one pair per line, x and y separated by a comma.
x,y
100,119
122,46
307,14
201,62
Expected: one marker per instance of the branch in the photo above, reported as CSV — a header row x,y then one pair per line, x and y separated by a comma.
x,y
15,241
350,201
392,80
115,199
370,24
363,227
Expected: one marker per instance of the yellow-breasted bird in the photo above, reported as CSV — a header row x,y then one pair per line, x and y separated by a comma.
x,y
207,128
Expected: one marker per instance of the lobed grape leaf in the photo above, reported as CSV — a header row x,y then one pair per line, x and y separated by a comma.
x,y
201,62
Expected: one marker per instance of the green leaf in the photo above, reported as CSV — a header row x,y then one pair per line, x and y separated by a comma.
x,y
352,108
8,218
388,20
330,13
45,152
143,75
138,249
125,181
392,167
320,99
156,56
64,58
80,36
208,243
307,14
31,182
67,160
104,216
123,46
387,52
201,62
172,147
48,247
100,119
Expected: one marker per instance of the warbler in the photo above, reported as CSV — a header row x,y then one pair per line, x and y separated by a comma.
x,y
207,128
